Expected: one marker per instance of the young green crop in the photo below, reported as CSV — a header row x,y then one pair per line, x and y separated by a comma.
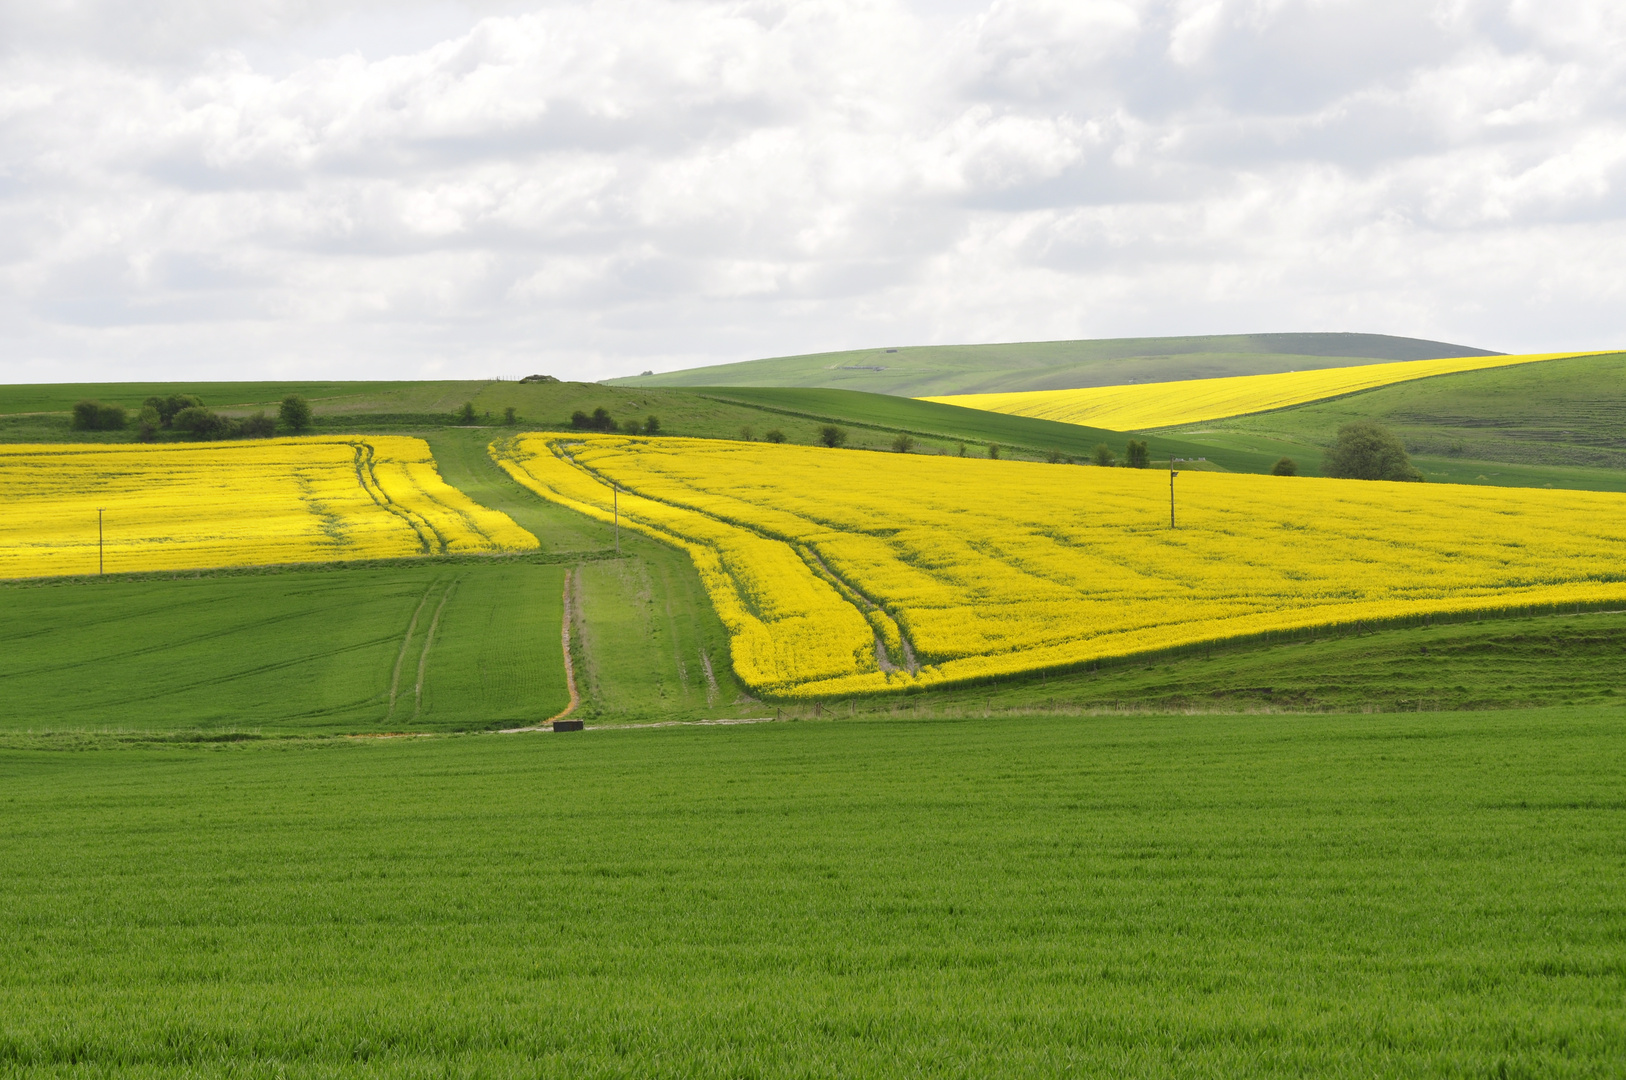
x,y
296,652
1298,896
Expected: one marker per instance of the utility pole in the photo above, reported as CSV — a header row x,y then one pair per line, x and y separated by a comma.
x,y
617,503
1172,475
101,557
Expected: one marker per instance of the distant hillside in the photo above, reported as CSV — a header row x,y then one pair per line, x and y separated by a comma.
x,y
932,370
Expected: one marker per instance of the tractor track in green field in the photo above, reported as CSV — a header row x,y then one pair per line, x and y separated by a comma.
x,y
406,643
429,643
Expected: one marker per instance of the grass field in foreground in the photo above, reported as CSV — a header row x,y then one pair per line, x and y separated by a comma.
x,y
433,647
1432,895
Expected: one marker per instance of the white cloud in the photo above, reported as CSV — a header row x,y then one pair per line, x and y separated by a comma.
x,y
599,187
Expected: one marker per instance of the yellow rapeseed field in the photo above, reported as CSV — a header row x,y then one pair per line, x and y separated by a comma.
x,y
181,506
1169,404
842,571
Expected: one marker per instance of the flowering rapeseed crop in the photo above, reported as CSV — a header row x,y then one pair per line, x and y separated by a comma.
x,y
180,506
980,568
1158,405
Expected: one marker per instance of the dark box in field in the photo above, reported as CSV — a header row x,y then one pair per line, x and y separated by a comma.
x,y
567,725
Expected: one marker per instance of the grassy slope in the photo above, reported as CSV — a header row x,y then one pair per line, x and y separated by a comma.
x,y
1560,422
1057,365
873,421
1369,896
940,426
298,651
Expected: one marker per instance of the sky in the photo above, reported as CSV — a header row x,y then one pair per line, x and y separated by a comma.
x,y
368,189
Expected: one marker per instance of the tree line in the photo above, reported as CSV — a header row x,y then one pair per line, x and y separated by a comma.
x,y
186,414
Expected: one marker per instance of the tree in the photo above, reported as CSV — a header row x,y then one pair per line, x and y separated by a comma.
x,y
149,421
903,444
466,414
652,424
580,420
1137,455
633,427
167,407
774,435
832,436
295,413
748,433
258,426
96,416
1104,456
1285,467
1055,457
510,415
205,424
1368,451
993,451
602,420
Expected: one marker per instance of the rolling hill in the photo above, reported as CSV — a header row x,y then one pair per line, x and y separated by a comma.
x,y
935,370
1560,423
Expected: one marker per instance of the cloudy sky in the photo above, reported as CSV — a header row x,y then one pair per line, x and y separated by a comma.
x,y
197,188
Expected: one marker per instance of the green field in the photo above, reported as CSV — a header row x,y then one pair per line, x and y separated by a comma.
x,y
1555,424
1398,896
932,370
1392,854
872,421
437,646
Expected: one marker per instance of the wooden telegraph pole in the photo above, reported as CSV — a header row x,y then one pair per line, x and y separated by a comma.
x,y
1172,475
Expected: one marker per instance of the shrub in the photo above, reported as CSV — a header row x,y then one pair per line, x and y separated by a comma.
x,y
993,450
903,444
1285,467
97,416
832,436
168,407
1055,457
295,413
201,422
1368,451
774,435
1137,455
1104,456
747,433
632,427
258,426
652,424
149,422
601,420
962,449
466,415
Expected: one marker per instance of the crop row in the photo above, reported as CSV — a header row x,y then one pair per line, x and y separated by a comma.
x,y
991,568
73,509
